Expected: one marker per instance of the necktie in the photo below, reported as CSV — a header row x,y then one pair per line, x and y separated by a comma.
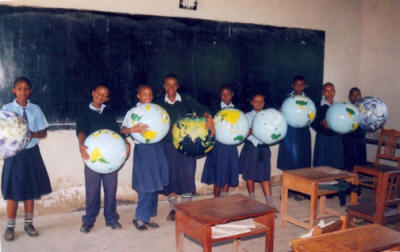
x,y
25,116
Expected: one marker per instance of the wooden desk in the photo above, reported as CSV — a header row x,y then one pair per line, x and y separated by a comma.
x,y
306,181
196,218
369,238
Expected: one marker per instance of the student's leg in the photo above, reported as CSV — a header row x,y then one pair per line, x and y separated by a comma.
x,y
143,209
12,207
29,228
110,184
172,200
153,210
217,190
250,189
92,186
266,187
225,190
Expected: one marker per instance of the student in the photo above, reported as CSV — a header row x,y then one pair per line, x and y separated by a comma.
x,y
328,149
295,149
150,168
222,163
182,168
90,119
354,143
255,158
24,176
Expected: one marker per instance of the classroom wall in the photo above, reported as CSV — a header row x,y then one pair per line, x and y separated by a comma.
x,y
361,38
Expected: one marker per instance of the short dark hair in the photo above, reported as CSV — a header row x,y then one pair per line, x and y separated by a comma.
x,y
226,86
23,79
141,87
171,76
257,93
298,78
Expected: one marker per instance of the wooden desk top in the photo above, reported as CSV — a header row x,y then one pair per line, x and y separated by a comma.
x,y
224,209
320,173
372,237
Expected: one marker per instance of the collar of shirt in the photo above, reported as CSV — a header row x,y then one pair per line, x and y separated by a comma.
x,y
177,98
325,102
223,105
16,104
100,110
292,93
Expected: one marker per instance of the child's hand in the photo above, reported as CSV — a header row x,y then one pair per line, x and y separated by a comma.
x,y
139,128
83,150
325,123
128,148
210,125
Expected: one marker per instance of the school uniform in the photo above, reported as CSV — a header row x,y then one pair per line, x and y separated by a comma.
x,y
295,149
355,149
255,158
222,163
328,149
149,176
24,176
88,121
182,168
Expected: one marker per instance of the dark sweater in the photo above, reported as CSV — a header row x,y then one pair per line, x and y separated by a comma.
x,y
317,124
178,110
88,121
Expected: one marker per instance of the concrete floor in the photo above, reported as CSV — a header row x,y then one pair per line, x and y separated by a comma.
x,y
61,232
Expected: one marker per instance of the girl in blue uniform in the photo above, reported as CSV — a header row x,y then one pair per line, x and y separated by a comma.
x,y
24,176
150,169
295,149
222,163
354,143
255,158
328,149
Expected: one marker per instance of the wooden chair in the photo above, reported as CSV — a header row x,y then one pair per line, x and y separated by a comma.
x,y
389,196
386,150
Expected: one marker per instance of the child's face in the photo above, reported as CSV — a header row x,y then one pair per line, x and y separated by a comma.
x,y
171,86
22,91
355,96
145,95
329,92
100,96
298,86
226,95
258,102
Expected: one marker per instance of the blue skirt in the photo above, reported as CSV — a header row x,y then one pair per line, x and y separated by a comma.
x,y
328,150
222,166
295,149
150,168
355,151
255,162
182,170
24,176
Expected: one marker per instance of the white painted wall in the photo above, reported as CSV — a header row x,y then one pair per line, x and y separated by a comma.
x,y
362,48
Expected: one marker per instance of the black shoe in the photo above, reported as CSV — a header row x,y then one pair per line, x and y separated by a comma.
x,y
85,228
9,234
152,224
31,230
140,225
114,225
171,215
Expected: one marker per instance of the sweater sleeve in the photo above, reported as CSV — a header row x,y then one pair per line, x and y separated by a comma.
x,y
195,106
81,124
317,125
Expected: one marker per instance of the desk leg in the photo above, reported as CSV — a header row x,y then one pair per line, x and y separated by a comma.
x,y
179,241
179,227
268,221
207,245
284,201
313,204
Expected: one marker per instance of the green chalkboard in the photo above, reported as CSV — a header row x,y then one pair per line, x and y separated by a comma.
x,y
66,53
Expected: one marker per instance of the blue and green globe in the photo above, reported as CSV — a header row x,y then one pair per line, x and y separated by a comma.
x,y
374,113
269,126
14,133
299,111
190,136
343,117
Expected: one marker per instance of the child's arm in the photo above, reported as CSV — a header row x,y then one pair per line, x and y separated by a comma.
x,y
137,128
82,147
39,134
209,123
